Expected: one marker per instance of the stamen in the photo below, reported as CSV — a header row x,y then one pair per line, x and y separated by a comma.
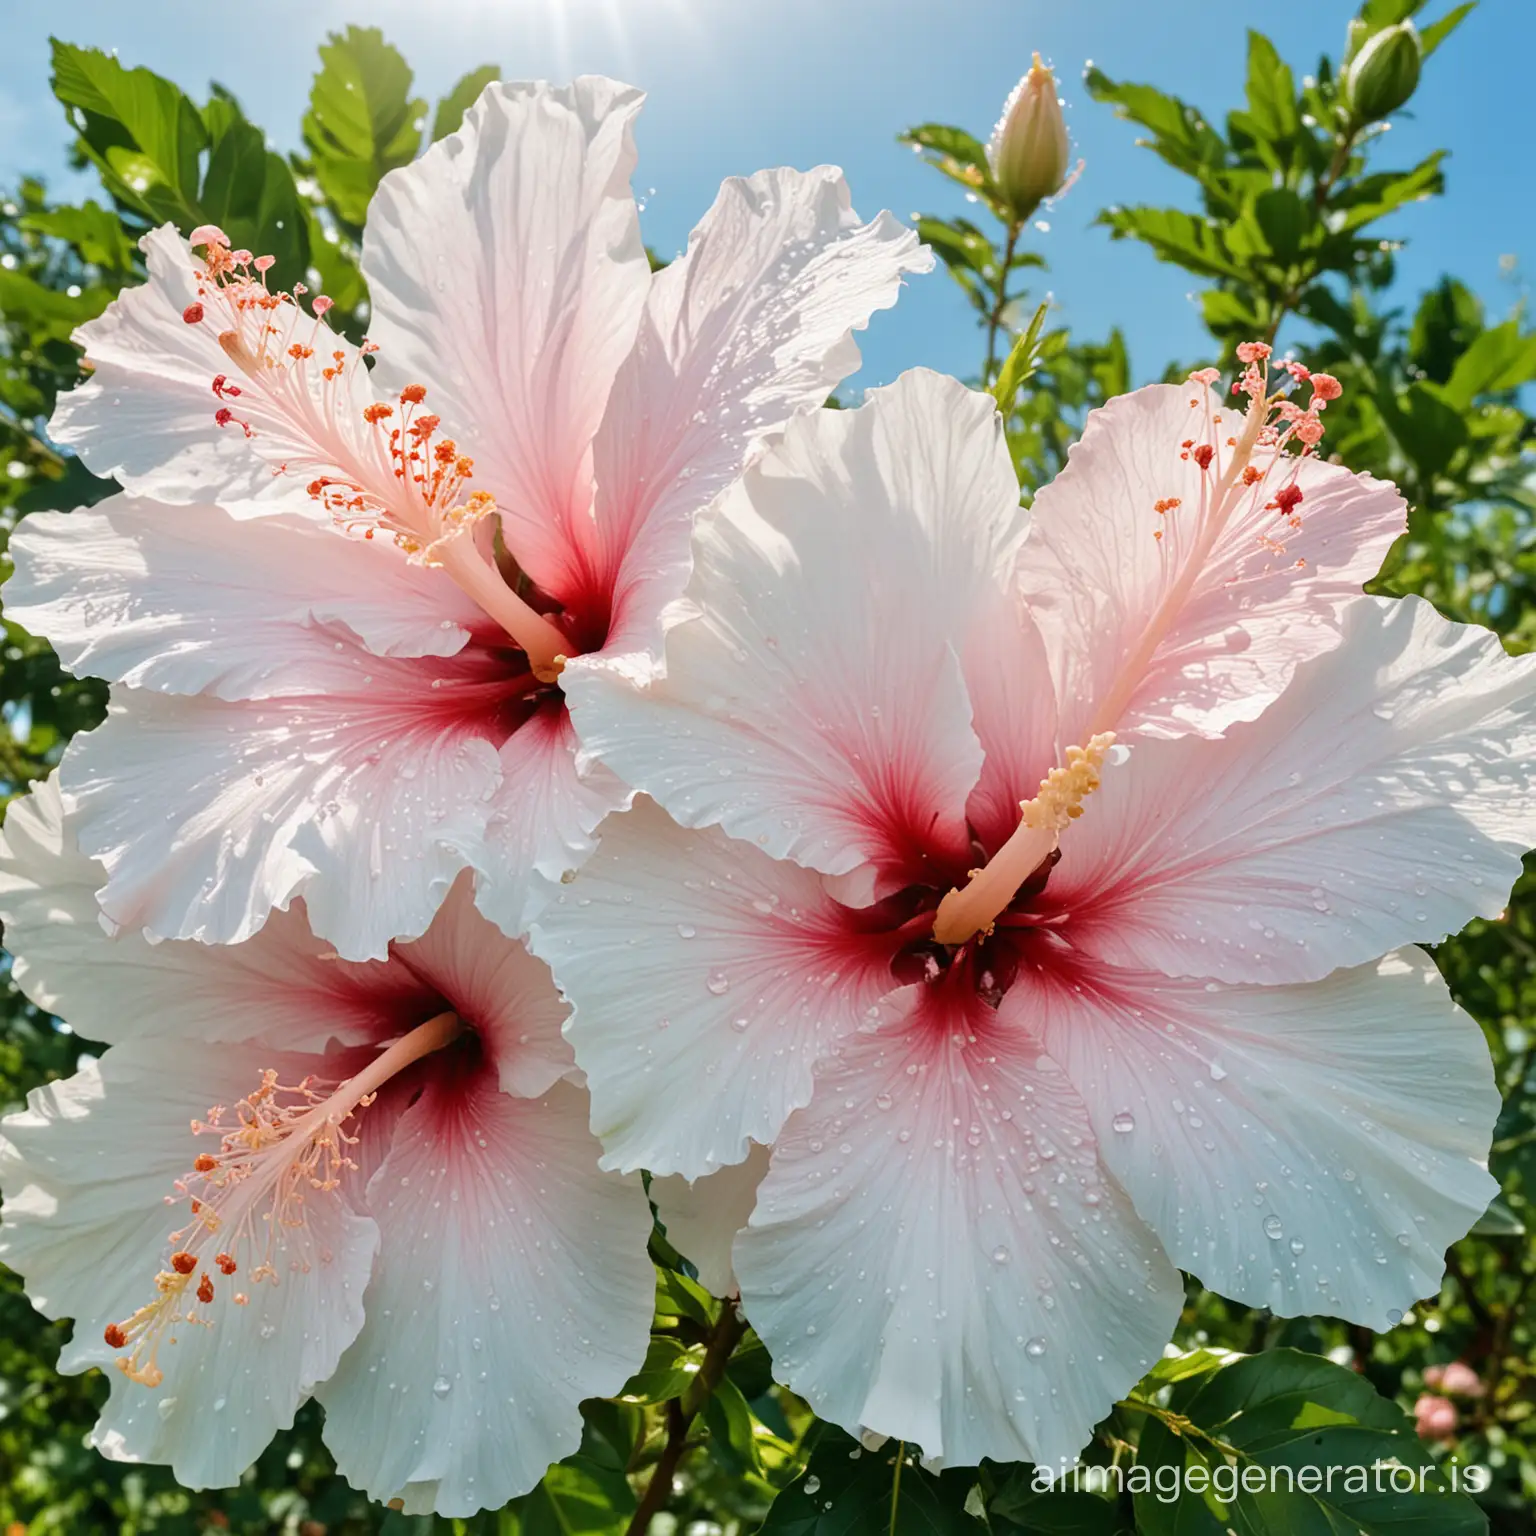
x,y
283,1145
974,907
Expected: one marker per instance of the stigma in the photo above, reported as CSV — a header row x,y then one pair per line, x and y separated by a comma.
x,y
279,1149
974,907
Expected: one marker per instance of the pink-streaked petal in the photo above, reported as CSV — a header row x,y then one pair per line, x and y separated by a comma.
x,y
937,1255
702,1218
542,819
1385,799
496,986
1013,708
815,706
185,599
1205,642
704,979
752,324
361,804
508,274
512,1282
283,987
1311,1149
146,416
86,1168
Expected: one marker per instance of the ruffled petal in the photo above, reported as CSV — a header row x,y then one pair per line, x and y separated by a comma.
x,y
283,987
752,324
1166,636
189,600
361,803
702,1218
86,1168
507,271
1312,1149
815,707
542,819
146,417
1385,799
704,979
495,985
936,1254
512,1282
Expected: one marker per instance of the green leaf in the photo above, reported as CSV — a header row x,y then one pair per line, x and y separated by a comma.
x,y
48,314
732,1430
959,243
1181,238
849,1491
1271,91
1432,430
362,121
949,144
249,192
1019,1507
139,129
1285,222
1437,32
1371,197
1180,134
453,106
669,1369
1500,359
578,1497
1449,318
678,1296
1020,364
1289,1444
94,231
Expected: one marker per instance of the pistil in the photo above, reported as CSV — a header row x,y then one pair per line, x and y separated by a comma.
x,y
974,907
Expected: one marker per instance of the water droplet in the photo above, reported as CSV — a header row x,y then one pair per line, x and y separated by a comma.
x,y
813,1485
442,1387
999,1255
718,983
1035,1348
1394,1317
1297,1246
1124,1122
1273,1228
686,930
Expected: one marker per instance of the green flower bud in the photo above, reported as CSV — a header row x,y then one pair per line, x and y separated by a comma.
x,y
1029,151
1383,74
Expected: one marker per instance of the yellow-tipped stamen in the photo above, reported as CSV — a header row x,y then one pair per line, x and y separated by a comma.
x,y
973,907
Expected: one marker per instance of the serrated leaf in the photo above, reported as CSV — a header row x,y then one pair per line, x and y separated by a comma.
x,y
1271,91
362,120
1501,358
453,106
1181,238
138,127
1020,364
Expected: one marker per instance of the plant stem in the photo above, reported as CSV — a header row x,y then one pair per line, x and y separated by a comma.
x,y
1000,301
681,1412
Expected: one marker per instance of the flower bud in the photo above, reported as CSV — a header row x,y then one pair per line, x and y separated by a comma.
x,y
1383,74
1029,150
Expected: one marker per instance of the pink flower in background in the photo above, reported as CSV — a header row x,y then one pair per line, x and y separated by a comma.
x,y
1457,1378
291,1175
1014,1068
1435,1418
339,600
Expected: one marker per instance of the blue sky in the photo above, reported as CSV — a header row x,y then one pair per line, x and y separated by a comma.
x,y
736,85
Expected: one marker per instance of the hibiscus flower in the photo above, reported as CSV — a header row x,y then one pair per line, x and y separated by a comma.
x,y
340,597
1014,1067
292,1175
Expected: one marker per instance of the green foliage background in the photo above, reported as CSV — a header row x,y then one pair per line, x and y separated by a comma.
x,y
1287,222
